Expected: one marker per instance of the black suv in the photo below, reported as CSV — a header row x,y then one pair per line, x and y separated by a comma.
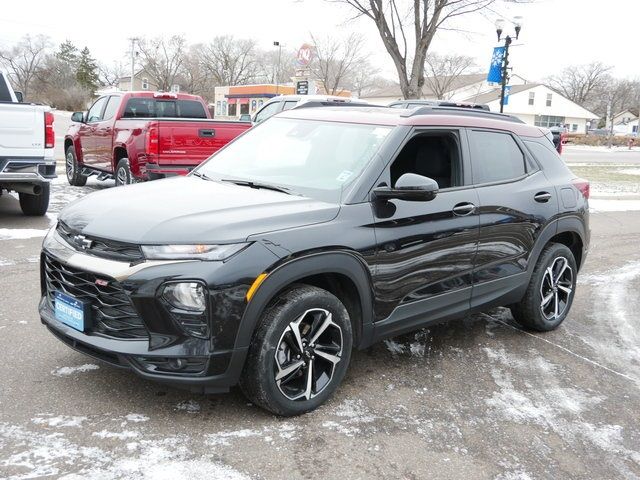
x,y
320,230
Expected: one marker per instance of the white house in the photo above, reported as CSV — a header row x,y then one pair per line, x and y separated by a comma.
x,y
626,122
537,104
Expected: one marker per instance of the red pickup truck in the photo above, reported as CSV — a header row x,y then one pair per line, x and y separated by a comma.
x,y
136,136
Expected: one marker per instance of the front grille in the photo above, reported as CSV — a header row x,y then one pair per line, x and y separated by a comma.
x,y
111,249
112,313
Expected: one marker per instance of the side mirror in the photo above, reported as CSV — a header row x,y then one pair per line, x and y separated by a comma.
x,y
77,117
19,96
410,187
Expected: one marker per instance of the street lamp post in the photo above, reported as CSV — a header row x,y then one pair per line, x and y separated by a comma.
x,y
517,25
277,44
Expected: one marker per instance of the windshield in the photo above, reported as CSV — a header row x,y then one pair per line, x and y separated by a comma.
x,y
308,157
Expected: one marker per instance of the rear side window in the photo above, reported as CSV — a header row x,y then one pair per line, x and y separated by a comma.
x,y
5,96
495,157
289,105
156,108
268,110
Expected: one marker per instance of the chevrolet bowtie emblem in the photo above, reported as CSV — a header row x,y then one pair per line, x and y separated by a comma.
x,y
81,242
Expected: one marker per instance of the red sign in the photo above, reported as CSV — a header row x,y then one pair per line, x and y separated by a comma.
x,y
304,55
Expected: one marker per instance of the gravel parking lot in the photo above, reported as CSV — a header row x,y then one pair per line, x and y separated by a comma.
x,y
479,398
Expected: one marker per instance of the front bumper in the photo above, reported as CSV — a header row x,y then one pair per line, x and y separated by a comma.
x,y
223,368
213,364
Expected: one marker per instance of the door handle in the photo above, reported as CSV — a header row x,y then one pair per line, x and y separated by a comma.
x,y
542,197
463,209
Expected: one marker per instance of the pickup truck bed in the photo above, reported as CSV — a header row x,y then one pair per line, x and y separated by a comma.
x,y
137,136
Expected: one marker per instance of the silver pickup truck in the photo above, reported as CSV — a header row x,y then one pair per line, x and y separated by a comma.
x,y
27,164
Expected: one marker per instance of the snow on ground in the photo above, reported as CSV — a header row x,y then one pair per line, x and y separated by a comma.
x,y
609,205
66,371
21,233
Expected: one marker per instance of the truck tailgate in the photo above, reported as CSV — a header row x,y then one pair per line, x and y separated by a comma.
x,y
189,142
21,130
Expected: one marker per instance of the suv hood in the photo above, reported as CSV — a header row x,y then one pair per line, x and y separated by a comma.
x,y
190,210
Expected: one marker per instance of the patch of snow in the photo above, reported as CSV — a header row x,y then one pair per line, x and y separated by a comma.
x,y
630,171
354,411
124,435
21,233
225,437
189,406
66,371
606,205
59,421
136,418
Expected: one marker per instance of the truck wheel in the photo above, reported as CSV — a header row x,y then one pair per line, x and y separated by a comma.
x,y
300,352
35,205
123,173
73,169
549,295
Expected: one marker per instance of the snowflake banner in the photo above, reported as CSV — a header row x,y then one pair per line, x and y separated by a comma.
x,y
495,70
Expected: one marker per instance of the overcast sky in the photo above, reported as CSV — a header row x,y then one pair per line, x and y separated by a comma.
x,y
556,33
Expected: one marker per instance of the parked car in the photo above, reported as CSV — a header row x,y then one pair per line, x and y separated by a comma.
x,y
437,103
27,164
138,136
559,135
283,103
319,230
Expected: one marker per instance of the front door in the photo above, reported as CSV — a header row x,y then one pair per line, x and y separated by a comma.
x,y
103,135
88,133
425,249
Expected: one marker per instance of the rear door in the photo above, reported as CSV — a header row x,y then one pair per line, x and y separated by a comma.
x,y
516,203
87,133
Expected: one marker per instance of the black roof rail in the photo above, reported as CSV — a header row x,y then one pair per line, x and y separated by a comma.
x,y
471,112
332,103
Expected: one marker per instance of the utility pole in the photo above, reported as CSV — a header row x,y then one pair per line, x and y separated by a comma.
x,y
133,41
277,44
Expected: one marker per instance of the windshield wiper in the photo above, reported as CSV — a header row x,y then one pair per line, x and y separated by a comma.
x,y
249,183
201,175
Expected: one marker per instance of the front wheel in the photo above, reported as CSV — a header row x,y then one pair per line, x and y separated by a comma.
x,y
549,295
35,205
73,169
300,352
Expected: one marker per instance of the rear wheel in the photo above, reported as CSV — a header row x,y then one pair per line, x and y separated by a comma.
x,y
549,295
35,205
300,352
123,173
73,169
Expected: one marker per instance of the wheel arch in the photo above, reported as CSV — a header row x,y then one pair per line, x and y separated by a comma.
x,y
342,273
119,152
69,142
570,231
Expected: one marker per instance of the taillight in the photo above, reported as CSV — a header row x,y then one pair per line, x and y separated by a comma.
x,y
49,134
152,142
582,185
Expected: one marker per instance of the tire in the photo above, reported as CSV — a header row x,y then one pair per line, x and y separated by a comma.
x,y
35,205
275,351
73,169
123,173
551,289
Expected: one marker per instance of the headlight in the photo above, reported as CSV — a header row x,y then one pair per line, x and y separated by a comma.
x,y
188,296
191,252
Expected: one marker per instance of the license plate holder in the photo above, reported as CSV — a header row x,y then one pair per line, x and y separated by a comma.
x,y
71,311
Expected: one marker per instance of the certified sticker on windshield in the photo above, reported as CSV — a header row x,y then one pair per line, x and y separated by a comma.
x,y
344,175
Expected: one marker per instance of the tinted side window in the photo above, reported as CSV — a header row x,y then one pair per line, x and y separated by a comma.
x,y
495,157
268,110
5,96
140,108
289,105
112,108
95,112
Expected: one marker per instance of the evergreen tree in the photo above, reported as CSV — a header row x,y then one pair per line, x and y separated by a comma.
x,y
87,71
68,54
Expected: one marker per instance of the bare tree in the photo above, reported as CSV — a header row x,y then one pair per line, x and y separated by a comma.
x,y
336,60
579,82
444,70
365,79
162,59
110,75
274,66
230,61
194,76
397,20
25,59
